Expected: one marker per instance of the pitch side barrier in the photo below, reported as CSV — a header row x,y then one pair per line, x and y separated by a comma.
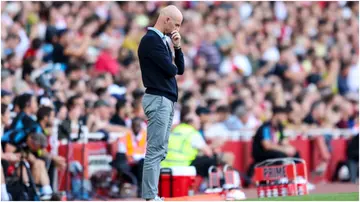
x,y
235,142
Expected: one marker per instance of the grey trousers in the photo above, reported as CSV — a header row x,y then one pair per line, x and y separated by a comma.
x,y
159,111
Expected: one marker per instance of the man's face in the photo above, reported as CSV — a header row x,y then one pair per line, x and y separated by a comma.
x,y
6,100
75,112
33,105
104,112
319,111
32,145
80,102
205,118
50,120
66,38
221,116
136,126
281,118
245,118
13,42
7,83
172,24
5,119
196,122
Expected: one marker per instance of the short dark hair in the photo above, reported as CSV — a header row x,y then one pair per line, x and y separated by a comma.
x,y
100,91
135,119
24,100
73,83
36,43
43,112
137,93
185,110
71,102
223,109
73,66
120,104
281,110
234,105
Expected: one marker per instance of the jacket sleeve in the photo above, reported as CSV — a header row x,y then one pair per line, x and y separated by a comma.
x,y
159,56
179,61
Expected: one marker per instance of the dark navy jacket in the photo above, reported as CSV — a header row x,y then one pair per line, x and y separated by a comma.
x,y
157,70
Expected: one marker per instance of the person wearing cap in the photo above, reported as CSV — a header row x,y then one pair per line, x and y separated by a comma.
x,y
269,141
188,148
158,75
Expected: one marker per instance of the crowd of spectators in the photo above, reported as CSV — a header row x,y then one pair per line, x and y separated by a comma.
x,y
242,59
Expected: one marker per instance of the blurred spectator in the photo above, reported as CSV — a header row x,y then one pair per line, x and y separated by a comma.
x,y
71,123
120,113
5,117
22,124
6,97
208,53
106,61
205,119
316,118
5,159
100,120
194,149
135,148
45,118
269,141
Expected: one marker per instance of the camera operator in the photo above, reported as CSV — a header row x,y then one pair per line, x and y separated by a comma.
x,y
33,147
21,136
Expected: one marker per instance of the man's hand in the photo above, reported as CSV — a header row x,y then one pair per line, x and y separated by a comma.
x,y
59,162
176,39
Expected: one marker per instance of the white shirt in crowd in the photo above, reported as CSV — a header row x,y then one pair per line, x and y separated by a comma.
x,y
241,62
353,78
271,54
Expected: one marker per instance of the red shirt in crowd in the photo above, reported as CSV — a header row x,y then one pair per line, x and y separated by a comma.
x,y
106,63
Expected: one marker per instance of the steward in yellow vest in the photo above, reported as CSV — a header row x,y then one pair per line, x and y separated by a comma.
x,y
180,149
188,148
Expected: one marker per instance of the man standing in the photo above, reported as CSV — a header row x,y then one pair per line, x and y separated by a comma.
x,y
158,75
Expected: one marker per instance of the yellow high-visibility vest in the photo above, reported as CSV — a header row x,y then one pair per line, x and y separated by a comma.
x,y
180,150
